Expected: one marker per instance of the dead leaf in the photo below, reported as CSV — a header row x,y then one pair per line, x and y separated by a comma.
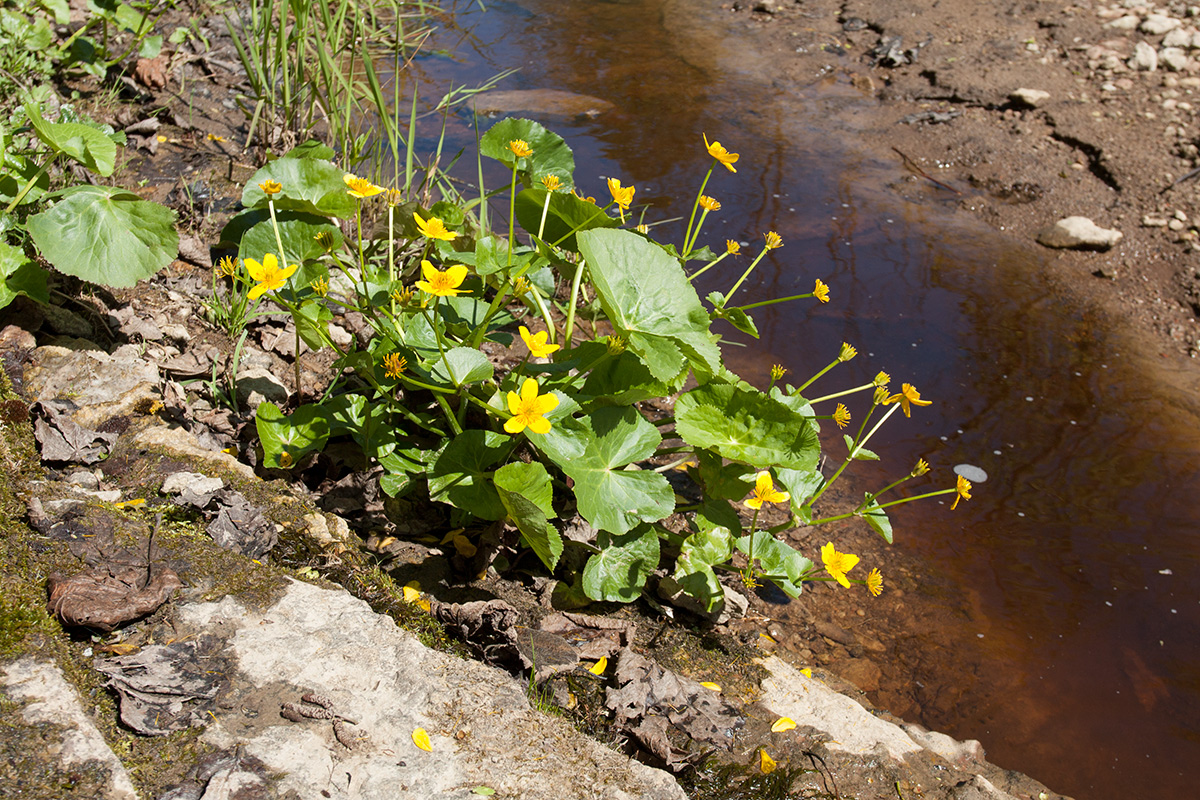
x,y
103,597
151,72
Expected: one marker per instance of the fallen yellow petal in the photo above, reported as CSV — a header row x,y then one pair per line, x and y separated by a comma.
x,y
411,595
766,763
423,604
130,503
599,667
716,687
783,724
421,740
806,672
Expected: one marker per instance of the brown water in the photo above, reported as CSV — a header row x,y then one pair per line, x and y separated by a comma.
x,y
1080,556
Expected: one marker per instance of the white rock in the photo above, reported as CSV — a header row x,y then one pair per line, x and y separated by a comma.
x,y
1152,221
46,697
1180,37
1029,97
263,381
1157,24
199,483
101,386
1126,23
1144,58
1173,58
1078,233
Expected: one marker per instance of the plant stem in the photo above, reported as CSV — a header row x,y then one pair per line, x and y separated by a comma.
x,y
746,274
843,394
575,281
696,204
776,300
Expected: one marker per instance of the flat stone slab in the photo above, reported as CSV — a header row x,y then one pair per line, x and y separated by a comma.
x,y
101,386
481,728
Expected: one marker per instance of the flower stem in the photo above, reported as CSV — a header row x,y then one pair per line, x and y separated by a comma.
x,y
776,300
811,380
695,205
570,326
707,266
843,394
512,210
746,274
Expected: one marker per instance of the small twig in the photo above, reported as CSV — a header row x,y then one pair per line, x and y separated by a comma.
x,y
917,169
1178,181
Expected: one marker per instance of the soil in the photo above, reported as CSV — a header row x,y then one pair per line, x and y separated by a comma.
x,y
1107,144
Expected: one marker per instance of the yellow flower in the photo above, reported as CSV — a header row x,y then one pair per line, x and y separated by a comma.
x,y
774,240
963,488
882,379
732,247
269,275
227,266
764,492
520,286
402,296
721,154
838,564
908,397
846,353
841,415
420,738
360,187
709,204
536,342
270,187
614,344
529,409
643,229
783,724
551,182
599,667
434,228
320,286
765,762
920,469
875,582
778,371
821,291
520,148
442,284
881,395
621,195
394,365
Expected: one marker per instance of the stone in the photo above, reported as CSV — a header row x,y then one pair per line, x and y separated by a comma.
x,y
66,322
862,672
181,444
960,754
100,386
50,699
195,482
1153,221
1173,58
1078,233
1144,58
1126,23
482,730
540,101
1029,97
1158,24
262,381
1179,37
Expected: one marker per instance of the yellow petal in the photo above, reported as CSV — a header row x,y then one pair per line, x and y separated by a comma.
x,y
599,667
411,595
539,425
716,687
766,763
806,672
421,739
783,724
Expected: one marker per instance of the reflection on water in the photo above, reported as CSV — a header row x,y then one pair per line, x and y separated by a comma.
x,y
1079,556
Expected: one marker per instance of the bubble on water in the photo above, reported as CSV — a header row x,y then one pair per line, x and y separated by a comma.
x,y
971,472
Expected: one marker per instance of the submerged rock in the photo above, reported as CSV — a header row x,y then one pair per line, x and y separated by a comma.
x,y
540,101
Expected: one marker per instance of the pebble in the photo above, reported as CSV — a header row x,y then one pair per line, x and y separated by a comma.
x,y
1145,58
1157,24
1029,97
1126,23
1173,58
1078,233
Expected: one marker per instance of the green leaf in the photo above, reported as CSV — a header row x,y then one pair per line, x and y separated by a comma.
x,y
461,475
877,518
15,172
131,19
19,275
734,316
550,156
526,493
709,547
746,425
779,562
619,571
463,366
311,149
297,231
83,143
694,567
800,484
593,450
862,454
309,184
722,481
624,379
150,47
491,256
304,432
714,513
106,236
312,323
649,301
566,216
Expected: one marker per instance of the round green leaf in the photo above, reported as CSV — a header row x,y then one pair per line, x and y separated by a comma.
x,y
309,184
462,366
106,236
87,145
619,571
461,476
551,155
297,231
305,431
745,425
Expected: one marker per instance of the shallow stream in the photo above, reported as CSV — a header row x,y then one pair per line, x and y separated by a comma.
x,y
1079,558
